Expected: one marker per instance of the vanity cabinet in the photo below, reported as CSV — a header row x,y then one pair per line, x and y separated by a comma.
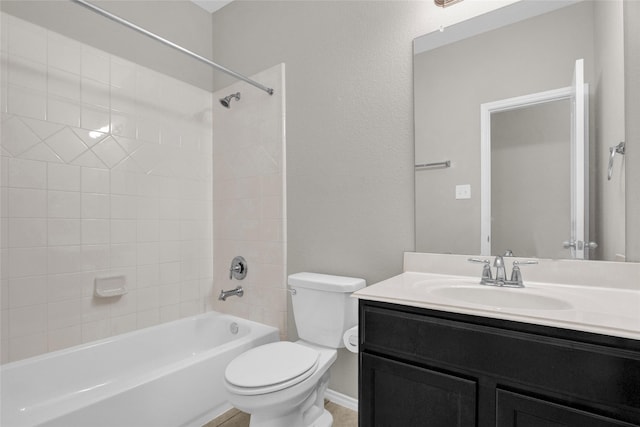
x,y
421,367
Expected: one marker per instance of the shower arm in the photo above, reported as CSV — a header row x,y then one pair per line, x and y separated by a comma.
x,y
154,36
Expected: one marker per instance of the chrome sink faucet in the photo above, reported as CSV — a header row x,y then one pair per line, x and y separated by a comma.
x,y
501,272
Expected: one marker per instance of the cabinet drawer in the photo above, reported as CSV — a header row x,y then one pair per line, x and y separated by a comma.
x,y
600,376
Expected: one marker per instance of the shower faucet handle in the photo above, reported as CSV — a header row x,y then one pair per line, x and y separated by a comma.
x,y
238,268
234,269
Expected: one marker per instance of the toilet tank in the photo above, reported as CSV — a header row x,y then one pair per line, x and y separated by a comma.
x,y
323,308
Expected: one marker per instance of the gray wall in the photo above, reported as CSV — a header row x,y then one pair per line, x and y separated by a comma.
x,y
348,126
182,22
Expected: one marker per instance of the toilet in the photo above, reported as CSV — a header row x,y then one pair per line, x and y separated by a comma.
x,y
282,384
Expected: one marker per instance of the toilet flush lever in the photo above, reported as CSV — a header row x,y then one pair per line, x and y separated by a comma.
x,y
238,268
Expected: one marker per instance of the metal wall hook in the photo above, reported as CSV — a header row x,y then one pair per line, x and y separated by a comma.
x,y
617,149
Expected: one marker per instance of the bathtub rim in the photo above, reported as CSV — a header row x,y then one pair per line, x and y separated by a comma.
x,y
46,410
101,341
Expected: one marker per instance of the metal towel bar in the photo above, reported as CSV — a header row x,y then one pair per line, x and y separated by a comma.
x,y
445,164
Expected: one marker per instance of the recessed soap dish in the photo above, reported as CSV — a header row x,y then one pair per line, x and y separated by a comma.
x,y
108,287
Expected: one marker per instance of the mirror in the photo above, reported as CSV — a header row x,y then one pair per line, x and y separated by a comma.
x,y
521,49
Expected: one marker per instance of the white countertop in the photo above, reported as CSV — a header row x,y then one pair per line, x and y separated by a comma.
x,y
602,310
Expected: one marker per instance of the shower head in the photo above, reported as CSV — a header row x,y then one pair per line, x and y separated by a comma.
x,y
226,101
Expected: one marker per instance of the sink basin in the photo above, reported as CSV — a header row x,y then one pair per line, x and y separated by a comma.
x,y
500,297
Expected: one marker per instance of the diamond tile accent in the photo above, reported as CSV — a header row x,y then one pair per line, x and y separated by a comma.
x,y
41,152
109,151
129,165
95,118
66,145
130,145
17,137
42,128
91,137
90,160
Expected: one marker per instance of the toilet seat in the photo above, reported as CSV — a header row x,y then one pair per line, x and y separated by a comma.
x,y
271,367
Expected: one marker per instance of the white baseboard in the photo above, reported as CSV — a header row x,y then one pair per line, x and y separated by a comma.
x,y
342,399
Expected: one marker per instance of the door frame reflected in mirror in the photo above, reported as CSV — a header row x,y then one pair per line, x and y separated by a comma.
x,y
577,194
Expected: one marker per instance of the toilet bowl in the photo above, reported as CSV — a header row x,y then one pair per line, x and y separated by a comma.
x,y
283,384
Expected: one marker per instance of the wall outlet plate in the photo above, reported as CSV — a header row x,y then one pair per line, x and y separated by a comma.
x,y
463,191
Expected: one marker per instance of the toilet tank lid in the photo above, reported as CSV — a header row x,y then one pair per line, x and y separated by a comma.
x,y
326,282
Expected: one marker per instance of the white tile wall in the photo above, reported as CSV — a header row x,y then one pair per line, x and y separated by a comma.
x,y
106,170
249,199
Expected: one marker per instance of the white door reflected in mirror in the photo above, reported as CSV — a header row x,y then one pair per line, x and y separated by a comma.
x,y
533,181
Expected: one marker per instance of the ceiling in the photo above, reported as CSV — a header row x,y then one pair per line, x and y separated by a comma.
x,y
211,5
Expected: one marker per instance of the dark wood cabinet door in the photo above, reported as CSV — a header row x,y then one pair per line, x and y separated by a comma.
x,y
394,394
516,410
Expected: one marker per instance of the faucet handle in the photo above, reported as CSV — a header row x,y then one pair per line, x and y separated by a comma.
x,y
516,275
486,269
238,269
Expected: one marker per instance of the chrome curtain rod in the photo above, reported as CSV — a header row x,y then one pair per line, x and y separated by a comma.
x,y
141,30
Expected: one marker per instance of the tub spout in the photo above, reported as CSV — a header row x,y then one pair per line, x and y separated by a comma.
x,y
238,291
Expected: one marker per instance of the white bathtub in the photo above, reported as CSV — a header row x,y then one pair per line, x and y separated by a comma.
x,y
166,375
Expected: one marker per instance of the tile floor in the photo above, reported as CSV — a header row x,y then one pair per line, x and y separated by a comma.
x,y
342,417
